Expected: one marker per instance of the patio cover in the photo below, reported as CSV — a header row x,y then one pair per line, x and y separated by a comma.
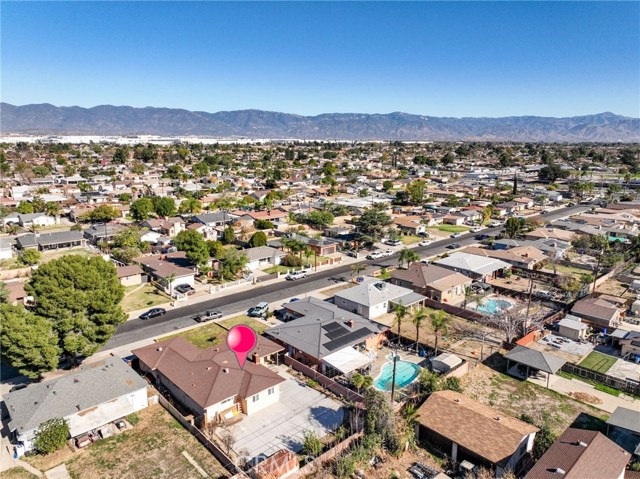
x,y
347,360
409,299
535,359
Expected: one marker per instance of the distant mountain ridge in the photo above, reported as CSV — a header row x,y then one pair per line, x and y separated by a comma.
x,y
46,119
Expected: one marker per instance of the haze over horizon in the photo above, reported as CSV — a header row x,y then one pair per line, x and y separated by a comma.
x,y
456,59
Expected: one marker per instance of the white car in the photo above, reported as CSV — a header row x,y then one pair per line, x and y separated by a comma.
x,y
392,242
386,253
477,229
424,243
376,255
296,275
455,235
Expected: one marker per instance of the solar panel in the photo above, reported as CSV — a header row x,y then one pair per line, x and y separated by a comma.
x,y
337,333
333,325
352,337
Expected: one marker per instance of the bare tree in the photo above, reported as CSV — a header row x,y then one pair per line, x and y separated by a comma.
x,y
511,323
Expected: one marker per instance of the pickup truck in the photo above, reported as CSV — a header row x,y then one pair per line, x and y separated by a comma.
x,y
208,315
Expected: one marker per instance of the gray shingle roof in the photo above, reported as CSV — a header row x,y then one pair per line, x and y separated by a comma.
x,y
373,292
625,418
535,359
94,384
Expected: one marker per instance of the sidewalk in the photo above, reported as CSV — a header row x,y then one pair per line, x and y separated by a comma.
x,y
609,402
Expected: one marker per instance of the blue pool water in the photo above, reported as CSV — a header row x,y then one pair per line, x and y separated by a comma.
x,y
493,306
406,373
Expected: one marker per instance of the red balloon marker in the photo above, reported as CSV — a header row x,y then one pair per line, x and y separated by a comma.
x,y
241,339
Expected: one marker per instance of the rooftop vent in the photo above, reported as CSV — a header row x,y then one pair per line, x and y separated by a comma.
x,y
497,418
159,349
225,370
208,368
558,470
381,286
456,400
76,380
581,444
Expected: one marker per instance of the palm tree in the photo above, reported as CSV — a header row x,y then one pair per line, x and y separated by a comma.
x,y
401,312
407,256
357,380
418,317
440,322
367,382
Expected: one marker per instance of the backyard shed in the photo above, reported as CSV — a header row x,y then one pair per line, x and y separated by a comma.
x,y
445,362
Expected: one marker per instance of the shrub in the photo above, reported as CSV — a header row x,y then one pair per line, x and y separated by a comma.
x,y
133,419
263,224
292,261
51,435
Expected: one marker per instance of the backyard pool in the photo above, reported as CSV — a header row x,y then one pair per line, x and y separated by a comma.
x,y
406,373
493,306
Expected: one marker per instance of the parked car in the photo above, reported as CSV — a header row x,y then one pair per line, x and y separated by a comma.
x,y
153,313
392,242
453,246
543,294
376,255
184,289
296,275
424,243
476,229
455,235
260,310
208,315
544,212
481,237
386,253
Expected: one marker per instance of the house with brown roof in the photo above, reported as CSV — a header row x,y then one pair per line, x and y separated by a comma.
x,y
130,275
168,270
524,257
432,281
465,429
210,382
549,233
598,312
581,454
410,225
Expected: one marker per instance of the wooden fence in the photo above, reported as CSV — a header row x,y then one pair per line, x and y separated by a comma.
x,y
222,458
313,466
455,310
325,381
628,386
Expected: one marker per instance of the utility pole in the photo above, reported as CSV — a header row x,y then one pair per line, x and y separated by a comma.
x,y
529,300
393,378
595,274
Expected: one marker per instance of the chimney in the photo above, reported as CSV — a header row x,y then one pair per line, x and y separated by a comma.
x,y
351,323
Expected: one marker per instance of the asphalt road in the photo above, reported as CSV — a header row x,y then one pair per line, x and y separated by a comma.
x,y
137,329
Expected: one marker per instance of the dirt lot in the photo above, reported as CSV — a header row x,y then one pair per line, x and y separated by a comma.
x,y
616,288
514,397
152,449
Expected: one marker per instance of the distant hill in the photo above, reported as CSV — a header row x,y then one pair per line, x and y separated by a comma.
x,y
125,120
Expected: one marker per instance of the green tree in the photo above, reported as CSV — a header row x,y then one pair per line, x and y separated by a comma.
x,y
373,223
228,235
357,380
263,224
416,191
51,435
81,298
164,206
25,208
121,155
141,209
319,218
30,257
400,313
440,321
513,227
194,245
103,214
233,263
190,206
28,341
357,268
259,238
216,249
552,172
419,316
407,256
543,441
387,185
125,197
4,292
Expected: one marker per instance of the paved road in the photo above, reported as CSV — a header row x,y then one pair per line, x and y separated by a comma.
x,y
137,329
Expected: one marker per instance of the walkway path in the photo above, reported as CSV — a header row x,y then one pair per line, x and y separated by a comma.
x,y
609,402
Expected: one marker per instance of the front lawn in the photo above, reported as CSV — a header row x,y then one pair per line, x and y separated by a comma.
x,y
451,228
207,335
153,449
147,296
258,326
598,362
410,239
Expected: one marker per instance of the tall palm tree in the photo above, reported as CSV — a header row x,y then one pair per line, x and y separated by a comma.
x,y
419,316
357,380
401,312
367,382
407,256
440,322
356,269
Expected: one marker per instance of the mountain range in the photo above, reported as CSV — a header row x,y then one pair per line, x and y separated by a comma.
x,y
105,120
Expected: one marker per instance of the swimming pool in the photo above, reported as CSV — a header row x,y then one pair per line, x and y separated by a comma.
x,y
406,373
493,306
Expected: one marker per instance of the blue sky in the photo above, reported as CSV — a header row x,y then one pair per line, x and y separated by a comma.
x,y
430,58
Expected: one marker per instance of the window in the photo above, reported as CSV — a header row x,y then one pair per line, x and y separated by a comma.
x,y
255,398
270,391
228,400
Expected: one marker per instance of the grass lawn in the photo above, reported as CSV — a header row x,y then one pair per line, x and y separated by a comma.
x,y
147,296
570,270
451,228
598,362
410,239
17,473
152,449
209,334
258,326
595,384
49,255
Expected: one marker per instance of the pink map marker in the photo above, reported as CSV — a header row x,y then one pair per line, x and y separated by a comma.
x,y
241,339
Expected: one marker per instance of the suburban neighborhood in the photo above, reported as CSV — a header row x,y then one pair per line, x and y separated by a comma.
x,y
425,310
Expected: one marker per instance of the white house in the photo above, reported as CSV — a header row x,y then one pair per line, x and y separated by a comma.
x,y
262,256
89,399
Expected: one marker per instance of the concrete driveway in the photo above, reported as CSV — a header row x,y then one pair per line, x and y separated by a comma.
x,y
282,425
